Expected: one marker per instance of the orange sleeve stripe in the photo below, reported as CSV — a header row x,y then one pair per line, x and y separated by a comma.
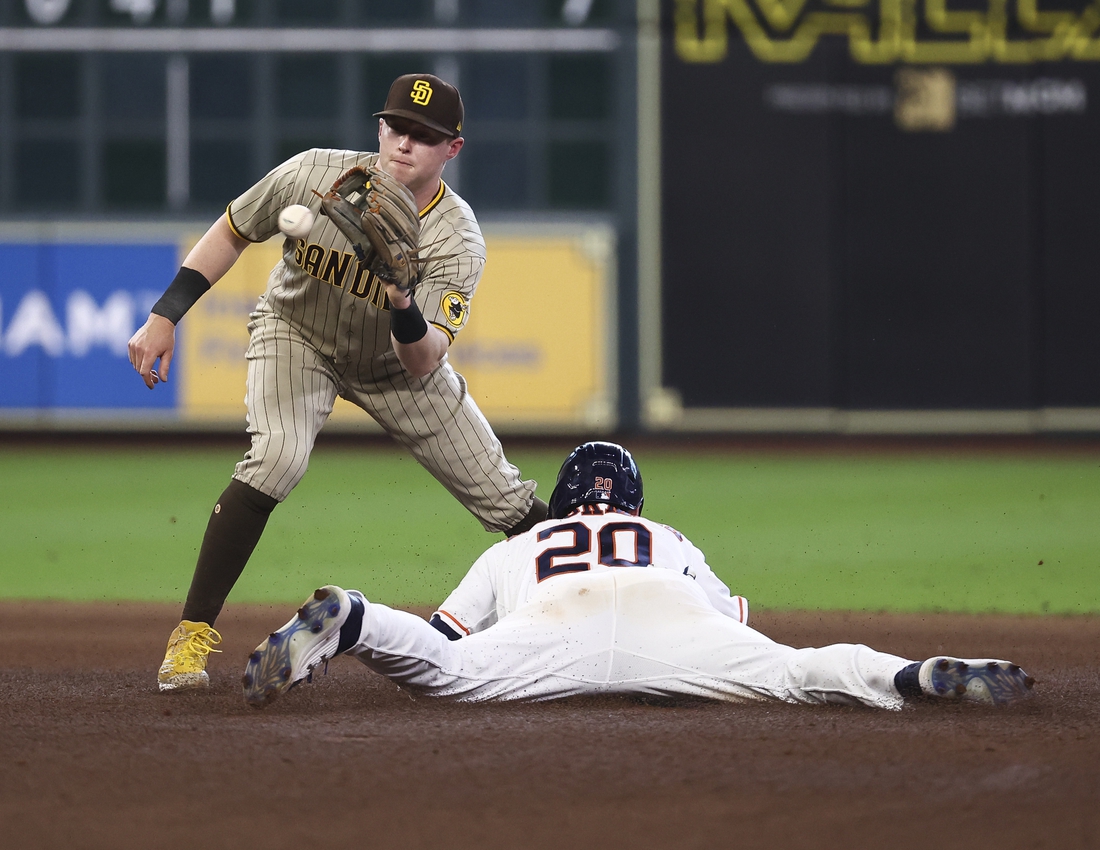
x,y
451,617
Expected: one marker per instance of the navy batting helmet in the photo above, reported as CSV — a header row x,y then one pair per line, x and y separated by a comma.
x,y
597,473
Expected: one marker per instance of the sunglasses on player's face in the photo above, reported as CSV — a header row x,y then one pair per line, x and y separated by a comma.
x,y
415,131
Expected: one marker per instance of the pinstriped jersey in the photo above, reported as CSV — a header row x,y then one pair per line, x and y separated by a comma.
x,y
592,539
320,289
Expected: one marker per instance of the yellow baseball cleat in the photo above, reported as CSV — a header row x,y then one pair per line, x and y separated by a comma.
x,y
184,666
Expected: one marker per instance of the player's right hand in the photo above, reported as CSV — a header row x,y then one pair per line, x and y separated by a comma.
x,y
155,340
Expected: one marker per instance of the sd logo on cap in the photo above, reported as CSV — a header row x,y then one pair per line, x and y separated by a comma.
x,y
428,100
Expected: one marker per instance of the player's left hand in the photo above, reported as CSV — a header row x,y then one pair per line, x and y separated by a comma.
x,y
155,340
378,215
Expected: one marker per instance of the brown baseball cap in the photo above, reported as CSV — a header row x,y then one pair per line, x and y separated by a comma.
x,y
428,100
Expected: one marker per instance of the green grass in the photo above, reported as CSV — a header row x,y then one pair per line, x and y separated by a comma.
x,y
904,532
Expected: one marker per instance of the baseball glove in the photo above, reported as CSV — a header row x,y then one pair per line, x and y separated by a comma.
x,y
378,215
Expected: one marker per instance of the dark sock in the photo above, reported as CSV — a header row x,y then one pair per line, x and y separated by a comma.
x,y
353,625
907,681
534,516
234,529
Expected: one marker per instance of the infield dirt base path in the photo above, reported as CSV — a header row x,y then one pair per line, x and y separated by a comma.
x,y
92,756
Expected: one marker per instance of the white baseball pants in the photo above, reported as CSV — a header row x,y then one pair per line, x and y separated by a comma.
x,y
644,632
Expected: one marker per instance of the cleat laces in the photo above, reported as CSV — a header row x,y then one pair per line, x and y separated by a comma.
x,y
201,642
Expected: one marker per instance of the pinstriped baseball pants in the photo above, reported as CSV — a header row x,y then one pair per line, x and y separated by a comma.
x,y
290,394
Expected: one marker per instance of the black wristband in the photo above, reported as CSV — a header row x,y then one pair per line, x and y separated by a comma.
x,y
182,293
408,325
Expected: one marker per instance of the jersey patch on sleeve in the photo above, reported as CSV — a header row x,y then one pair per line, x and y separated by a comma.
x,y
455,307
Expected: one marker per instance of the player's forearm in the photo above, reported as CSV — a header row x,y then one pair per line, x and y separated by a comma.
x,y
735,607
421,357
211,258
418,345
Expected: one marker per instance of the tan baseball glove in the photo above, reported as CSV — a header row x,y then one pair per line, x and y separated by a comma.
x,y
378,215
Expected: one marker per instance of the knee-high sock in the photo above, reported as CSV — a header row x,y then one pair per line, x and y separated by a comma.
x,y
234,529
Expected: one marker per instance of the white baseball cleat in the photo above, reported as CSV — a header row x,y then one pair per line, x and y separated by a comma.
x,y
974,679
289,655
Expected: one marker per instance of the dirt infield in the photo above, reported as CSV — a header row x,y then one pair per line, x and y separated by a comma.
x,y
92,756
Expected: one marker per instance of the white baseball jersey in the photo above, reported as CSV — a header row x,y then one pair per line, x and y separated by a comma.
x,y
592,540
608,603
322,329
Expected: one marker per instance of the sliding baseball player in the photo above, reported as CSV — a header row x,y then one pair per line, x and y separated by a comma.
x,y
600,600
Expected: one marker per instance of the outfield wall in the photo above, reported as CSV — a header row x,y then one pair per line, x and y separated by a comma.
x,y
538,351
887,214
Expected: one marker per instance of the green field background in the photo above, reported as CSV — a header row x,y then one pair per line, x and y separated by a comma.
x,y
868,530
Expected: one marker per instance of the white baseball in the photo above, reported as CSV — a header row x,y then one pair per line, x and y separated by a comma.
x,y
296,221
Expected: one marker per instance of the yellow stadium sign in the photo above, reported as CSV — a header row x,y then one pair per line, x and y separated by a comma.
x,y
537,349
536,352
888,31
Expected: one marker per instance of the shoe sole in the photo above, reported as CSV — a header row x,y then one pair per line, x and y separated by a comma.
x,y
290,654
991,682
186,682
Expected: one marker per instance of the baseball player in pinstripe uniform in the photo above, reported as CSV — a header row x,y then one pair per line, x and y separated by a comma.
x,y
326,326
600,600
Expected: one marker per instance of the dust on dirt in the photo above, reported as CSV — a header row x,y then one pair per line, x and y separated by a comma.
x,y
93,756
